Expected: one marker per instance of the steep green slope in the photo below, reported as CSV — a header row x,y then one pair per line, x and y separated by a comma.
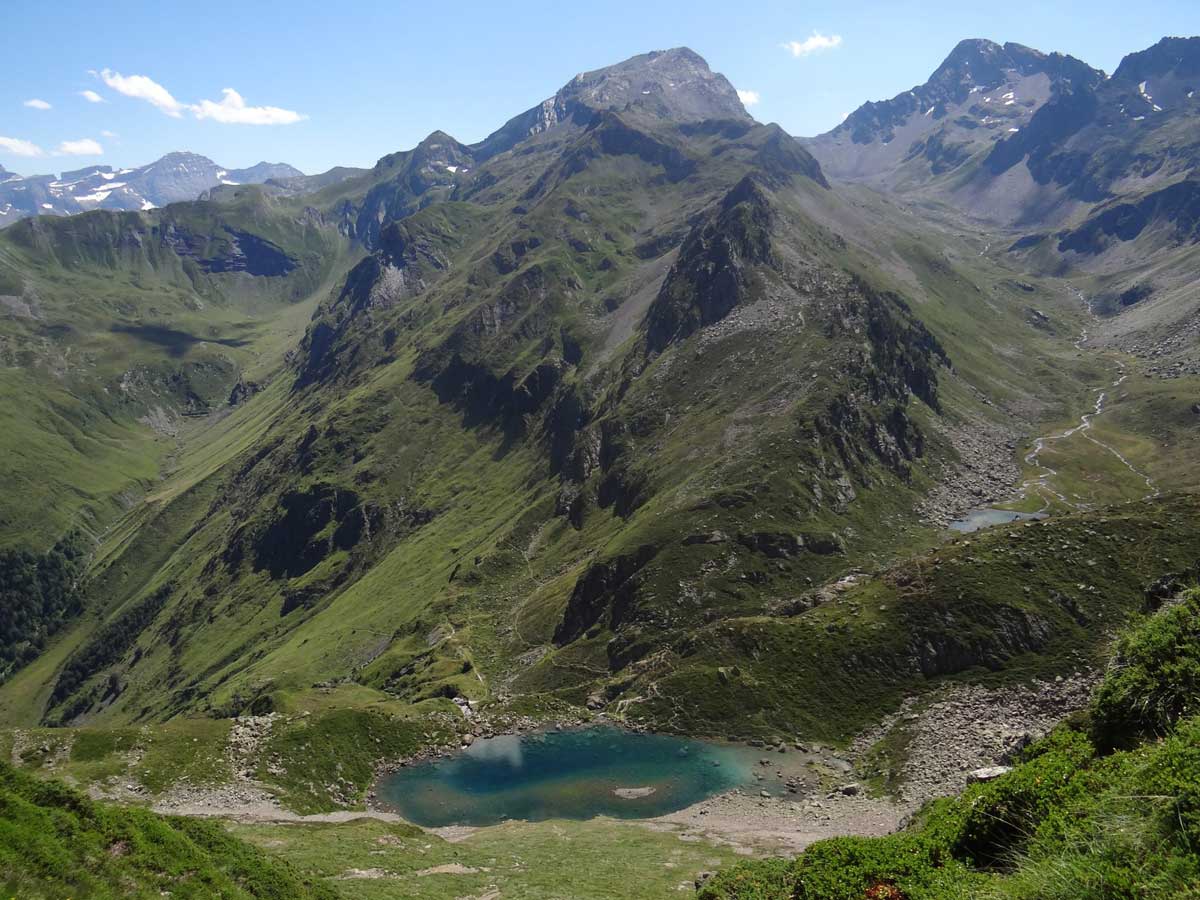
x,y
58,844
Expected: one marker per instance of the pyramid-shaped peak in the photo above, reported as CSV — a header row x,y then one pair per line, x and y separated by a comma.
x,y
676,83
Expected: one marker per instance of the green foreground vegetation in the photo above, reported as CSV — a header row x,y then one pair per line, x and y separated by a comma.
x,y
1106,806
56,844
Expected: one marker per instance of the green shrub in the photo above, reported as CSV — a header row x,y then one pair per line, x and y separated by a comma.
x,y
769,879
1132,831
1001,815
894,867
1155,680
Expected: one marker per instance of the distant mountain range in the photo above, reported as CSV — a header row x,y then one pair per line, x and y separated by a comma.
x,y
1013,136
174,177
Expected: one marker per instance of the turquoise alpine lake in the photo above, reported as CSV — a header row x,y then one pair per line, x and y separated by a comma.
x,y
573,774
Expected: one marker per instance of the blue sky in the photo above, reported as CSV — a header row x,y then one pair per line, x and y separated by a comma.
x,y
319,84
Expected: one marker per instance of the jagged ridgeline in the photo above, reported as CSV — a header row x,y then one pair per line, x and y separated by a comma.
x,y
532,416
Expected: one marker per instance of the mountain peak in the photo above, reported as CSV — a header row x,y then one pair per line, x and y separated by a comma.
x,y
1174,56
179,175
981,93
978,62
675,84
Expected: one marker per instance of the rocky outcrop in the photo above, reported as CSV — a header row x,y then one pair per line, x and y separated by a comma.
x,y
782,545
407,261
1174,210
605,588
235,251
715,269
307,526
410,180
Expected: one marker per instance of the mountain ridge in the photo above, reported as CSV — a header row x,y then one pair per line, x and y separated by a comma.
x,y
628,382
175,177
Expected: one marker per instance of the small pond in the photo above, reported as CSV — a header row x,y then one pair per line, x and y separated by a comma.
x,y
575,774
987,516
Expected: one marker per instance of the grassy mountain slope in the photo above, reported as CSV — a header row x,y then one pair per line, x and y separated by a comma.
x,y
119,328
602,401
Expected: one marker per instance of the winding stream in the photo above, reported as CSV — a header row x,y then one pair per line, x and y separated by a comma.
x,y
984,517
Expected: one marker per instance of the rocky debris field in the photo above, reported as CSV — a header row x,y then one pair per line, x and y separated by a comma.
x,y
967,728
987,471
807,792
1166,351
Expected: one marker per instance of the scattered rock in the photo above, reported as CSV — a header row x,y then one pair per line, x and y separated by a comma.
x,y
633,793
988,773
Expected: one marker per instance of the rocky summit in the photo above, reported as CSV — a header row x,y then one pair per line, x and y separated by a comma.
x,y
869,457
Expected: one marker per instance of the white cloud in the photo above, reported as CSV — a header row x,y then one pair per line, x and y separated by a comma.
x,y
91,96
108,134
748,98
35,103
813,44
18,147
142,88
81,147
233,110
